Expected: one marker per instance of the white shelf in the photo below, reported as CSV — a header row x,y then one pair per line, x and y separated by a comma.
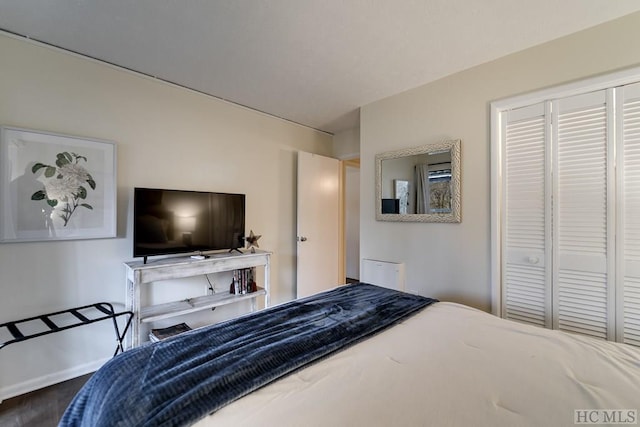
x,y
163,311
180,267
139,274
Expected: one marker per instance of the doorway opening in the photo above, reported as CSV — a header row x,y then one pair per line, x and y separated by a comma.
x,y
351,220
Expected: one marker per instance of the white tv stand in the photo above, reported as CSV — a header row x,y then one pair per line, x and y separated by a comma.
x,y
139,273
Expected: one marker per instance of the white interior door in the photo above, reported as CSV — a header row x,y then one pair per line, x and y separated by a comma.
x,y
526,266
318,223
582,233
629,215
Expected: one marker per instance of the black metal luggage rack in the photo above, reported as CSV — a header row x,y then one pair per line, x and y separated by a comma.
x,y
105,311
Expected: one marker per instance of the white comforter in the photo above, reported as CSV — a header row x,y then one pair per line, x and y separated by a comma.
x,y
450,365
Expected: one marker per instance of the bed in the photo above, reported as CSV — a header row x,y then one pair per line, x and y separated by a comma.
x,y
441,364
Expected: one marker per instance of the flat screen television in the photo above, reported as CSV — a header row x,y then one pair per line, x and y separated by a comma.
x,y
169,222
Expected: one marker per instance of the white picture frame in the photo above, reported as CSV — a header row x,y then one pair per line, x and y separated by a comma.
x,y
402,194
55,187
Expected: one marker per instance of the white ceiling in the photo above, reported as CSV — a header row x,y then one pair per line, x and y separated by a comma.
x,y
314,62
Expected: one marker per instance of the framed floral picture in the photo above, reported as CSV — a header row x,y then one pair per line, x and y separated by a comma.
x,y
55,187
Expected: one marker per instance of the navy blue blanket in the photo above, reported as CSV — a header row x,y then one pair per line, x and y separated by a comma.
x,y
182,379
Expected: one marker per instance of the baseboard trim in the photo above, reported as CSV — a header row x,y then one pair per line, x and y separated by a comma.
x,y
50,379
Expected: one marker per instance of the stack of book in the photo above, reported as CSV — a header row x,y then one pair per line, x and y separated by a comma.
x,y
160,334
243,282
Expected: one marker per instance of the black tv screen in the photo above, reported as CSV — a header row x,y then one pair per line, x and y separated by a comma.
x,y
175,221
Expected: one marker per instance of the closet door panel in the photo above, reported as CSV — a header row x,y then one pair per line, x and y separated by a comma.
x,y
525,230
580,214
629,126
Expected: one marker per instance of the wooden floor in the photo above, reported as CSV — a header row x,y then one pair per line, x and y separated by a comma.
x,y
40,408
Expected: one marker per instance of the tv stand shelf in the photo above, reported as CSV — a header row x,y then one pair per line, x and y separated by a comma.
x,y
191,305
139,273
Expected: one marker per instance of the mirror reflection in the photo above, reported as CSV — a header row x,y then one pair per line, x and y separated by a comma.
x,y
419,184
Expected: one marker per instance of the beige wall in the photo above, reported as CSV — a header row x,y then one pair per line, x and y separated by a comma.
x,y
166,137
452,261
346,144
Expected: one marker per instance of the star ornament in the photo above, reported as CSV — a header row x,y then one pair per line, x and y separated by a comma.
x,y
252,241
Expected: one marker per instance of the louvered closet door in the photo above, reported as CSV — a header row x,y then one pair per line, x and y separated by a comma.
x,y
525,229
629,223
581,233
